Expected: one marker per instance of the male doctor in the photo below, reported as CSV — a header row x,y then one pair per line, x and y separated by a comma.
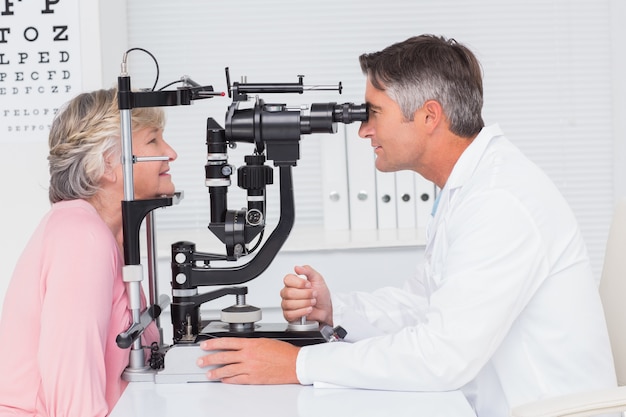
x,y
504,308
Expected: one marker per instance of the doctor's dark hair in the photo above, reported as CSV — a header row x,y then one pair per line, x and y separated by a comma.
x,y
85,141
429,67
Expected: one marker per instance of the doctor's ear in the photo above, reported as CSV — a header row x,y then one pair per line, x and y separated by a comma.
x,y
432,114
433,111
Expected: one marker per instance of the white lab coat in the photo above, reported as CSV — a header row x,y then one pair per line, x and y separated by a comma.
x,y
504,307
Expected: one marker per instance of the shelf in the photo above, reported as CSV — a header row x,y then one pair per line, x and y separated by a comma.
x,y
302,238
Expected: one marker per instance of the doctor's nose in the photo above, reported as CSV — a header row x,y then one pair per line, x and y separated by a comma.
x,y
366,130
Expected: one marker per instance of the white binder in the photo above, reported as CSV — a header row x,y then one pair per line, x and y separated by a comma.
x,y
405,205
386,200
361,180
335,181
425,192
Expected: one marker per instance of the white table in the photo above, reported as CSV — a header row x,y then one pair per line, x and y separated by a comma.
x,y
216,399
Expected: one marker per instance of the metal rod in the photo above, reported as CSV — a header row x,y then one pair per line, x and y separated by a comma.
x,y
127,154
153,285
150,158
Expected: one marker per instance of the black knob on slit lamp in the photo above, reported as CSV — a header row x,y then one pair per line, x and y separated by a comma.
x,y
125,340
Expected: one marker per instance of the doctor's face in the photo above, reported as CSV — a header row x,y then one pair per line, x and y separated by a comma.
x,y
152,178
396,141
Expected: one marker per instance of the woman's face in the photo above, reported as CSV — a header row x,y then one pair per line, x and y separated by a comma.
x,y
152,178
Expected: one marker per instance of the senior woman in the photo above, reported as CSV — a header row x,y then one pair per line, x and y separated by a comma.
x,y
66,301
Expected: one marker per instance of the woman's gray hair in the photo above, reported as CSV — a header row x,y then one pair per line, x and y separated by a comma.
x,y
429,67
85,134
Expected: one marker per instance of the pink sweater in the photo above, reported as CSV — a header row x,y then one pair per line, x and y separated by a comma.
x,y
64,307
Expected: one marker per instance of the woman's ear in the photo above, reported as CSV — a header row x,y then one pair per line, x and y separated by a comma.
x,y
110,172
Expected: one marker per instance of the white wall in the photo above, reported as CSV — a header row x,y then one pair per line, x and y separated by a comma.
x,y
618,69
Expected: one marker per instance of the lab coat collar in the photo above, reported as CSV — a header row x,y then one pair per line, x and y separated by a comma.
x,y
469,159
463,169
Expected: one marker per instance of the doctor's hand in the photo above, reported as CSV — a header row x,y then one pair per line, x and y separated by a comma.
x,y
250,361
308,297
